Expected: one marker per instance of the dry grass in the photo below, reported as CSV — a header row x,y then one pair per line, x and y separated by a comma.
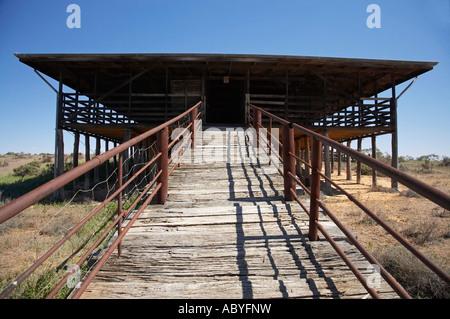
x,y
27,236
422,222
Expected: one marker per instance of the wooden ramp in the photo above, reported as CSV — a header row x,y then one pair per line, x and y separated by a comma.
x,y
226,232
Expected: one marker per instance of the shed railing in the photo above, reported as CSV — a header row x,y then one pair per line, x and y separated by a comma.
x,y
170,152
289,158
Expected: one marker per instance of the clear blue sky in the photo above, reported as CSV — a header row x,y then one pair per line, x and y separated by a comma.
x,y
410,30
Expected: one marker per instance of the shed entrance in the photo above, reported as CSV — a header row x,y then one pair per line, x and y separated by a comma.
x,y
225,101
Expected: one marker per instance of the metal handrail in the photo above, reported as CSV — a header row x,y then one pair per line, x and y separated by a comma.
x,y
435,195
18,205
440,198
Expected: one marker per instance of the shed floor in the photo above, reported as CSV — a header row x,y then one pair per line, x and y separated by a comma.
x,y
226,232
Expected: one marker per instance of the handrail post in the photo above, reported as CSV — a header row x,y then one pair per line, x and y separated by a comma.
x,y
193,116
163,163
316,162
119,202
288,161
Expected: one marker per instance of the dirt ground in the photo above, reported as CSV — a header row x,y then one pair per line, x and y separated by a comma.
x,y
14,162
422,222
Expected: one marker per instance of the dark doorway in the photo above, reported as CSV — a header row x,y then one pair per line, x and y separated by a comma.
x,y
225,102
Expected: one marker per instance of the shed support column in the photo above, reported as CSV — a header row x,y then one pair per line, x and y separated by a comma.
x,y
326,155
87,176
76,150
59,140
339,158
394,183
59,161
332,160
358,163
97,169
127,153
349,169
374,155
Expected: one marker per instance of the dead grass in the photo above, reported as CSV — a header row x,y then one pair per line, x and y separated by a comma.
x,y
423,223
28,235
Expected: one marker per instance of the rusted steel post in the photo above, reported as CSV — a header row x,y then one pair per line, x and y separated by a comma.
x,y
316,162
163,163
119,202
288,161
193,116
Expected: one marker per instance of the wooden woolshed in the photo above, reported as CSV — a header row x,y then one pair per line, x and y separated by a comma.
x,y
113,97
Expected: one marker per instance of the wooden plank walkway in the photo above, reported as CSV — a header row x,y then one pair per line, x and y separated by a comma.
x,y
226,232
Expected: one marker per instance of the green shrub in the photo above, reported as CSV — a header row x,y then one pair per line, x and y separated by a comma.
x,y
30,169
365,169
445,161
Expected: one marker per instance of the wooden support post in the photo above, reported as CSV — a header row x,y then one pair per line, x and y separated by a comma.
x,y
339,158
288,161
315,189
119,201
97,169
358,163
59,161
332,160
374,155
349,168
76,150
163,163
394,183
87,156
126,155
326,154
59,140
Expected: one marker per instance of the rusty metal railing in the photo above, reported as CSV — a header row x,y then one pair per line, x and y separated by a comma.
x,y
158,187
288,159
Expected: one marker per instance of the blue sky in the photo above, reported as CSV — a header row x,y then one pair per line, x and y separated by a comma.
x,y
410,30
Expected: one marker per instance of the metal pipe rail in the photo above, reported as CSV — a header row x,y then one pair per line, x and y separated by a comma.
x,y
290,179
161,158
